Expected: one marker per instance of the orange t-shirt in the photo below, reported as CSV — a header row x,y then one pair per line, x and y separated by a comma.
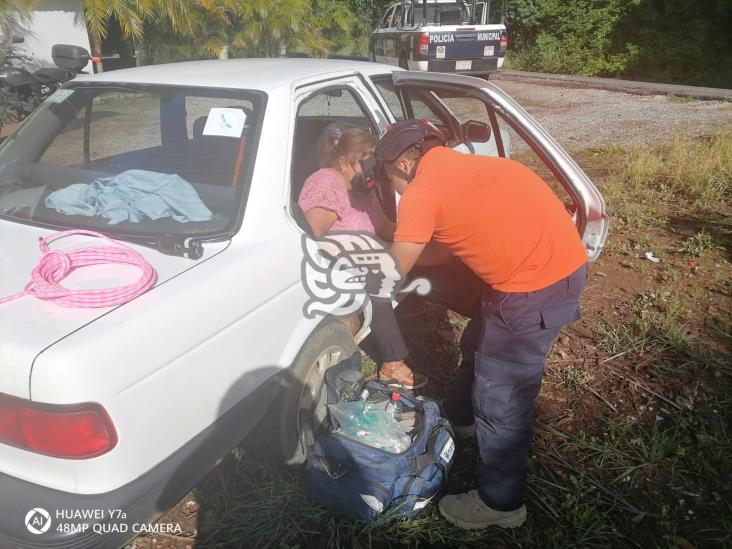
x,y
496,215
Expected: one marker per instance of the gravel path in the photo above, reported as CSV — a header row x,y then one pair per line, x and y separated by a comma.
x,y
582,118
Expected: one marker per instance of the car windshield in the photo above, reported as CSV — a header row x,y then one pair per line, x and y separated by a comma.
x,y
136,161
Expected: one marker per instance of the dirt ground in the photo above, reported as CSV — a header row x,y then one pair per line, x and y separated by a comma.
x,y
581,118
592,381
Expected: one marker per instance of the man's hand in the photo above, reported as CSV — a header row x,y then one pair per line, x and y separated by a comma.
x,y
406,254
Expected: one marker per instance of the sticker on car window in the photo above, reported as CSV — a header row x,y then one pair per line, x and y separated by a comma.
x,y
59,96
225,122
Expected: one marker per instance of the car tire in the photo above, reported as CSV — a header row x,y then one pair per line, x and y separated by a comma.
x,y
290,425
403,61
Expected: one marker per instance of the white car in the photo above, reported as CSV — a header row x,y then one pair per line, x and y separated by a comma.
x,y
109,416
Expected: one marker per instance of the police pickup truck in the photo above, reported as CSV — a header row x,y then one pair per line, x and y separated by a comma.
x,y
441,36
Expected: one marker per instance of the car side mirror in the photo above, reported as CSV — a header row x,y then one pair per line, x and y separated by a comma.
x,y
476,132
17,39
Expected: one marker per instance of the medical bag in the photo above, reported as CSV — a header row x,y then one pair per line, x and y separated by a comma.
x,y
347,475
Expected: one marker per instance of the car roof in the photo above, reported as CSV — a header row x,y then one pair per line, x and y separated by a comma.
x,y
252,74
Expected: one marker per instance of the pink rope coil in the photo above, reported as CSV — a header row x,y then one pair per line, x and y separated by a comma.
x,y
56,265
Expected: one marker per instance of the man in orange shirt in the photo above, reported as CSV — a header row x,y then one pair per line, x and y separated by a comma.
x,y
509,228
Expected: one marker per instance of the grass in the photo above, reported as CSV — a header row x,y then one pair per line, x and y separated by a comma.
x,y
575,378
249,502
699,244
695,173
648,466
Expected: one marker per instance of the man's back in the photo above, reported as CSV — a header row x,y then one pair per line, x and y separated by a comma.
x,y
495,214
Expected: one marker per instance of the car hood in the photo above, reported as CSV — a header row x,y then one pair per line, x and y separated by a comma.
x,y
29,325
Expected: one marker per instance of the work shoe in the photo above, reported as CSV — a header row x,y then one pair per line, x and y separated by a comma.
x,y
468,511
464,432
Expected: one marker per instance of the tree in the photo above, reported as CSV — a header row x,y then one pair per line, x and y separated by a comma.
x,y
15,16
574,36
223,28
134,16
128,13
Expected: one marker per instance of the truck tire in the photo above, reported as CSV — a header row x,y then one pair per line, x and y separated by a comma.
x,y
291,422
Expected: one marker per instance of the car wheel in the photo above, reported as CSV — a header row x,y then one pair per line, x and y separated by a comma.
x,y
300,408
403,61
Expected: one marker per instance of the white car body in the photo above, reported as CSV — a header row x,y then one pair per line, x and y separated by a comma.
x,y
168,365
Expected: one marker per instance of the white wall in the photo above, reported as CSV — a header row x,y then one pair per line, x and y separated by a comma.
x,y
55,22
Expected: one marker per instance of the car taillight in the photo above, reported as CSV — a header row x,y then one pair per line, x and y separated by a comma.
x,y
422,46
503,44
72,431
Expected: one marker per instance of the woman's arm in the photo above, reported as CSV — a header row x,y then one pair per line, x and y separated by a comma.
x,y
320,220
386,230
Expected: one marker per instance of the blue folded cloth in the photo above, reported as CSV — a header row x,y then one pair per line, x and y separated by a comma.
x,y
133,196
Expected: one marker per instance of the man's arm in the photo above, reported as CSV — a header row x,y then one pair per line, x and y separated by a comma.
x,y
406,254
434,253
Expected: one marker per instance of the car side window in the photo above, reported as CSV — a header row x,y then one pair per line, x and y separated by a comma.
x,y
518,149
397,18
68,147
386,88
420,104
198,108
386,21
421,107
138,114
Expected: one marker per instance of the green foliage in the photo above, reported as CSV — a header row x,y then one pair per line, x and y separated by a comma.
x,y
571,37
15,15
172,30
699,244
663,40
693,173
680,41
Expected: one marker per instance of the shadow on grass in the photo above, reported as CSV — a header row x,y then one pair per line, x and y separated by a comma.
x,y
247,502
716,224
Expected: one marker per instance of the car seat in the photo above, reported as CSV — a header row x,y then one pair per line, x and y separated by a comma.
x,y
213,155
306,161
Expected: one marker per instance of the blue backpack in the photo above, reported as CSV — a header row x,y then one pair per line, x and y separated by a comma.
x,y
351,477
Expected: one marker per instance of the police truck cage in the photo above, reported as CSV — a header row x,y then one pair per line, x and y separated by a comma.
x,y
442,36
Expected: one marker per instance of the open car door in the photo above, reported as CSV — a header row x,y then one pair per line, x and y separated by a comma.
x,y
587,205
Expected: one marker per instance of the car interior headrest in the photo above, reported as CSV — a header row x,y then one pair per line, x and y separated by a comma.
x,y
198,125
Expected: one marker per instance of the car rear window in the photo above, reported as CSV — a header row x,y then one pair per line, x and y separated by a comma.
x,y
134,160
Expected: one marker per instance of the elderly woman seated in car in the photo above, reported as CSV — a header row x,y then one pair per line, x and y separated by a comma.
x,y
332,200
328,197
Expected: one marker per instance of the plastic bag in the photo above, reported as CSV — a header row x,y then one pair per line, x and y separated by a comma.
x,y
367,423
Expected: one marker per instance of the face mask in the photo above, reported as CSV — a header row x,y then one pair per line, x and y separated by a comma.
x,y
365,181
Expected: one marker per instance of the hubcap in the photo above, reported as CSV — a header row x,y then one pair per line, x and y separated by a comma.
x,y
312,406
